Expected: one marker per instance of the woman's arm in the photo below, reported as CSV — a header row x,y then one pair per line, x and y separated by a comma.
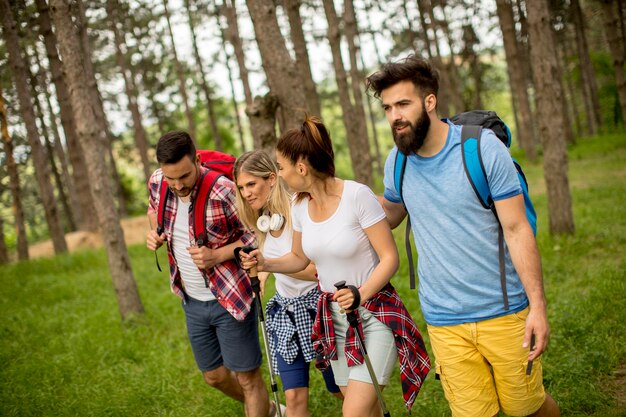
x,y
382,241
290,263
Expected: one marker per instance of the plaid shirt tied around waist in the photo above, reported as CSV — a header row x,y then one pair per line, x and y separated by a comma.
x,y
388,308
227,281
290,332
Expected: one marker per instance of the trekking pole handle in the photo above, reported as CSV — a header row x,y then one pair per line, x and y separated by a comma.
x,y
350,315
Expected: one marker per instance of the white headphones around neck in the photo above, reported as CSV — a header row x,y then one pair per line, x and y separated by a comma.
x,y
266,223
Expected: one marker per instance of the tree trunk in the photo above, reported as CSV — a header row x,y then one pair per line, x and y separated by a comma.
x,y
49,150
141,140
572,101
292,8
212,118
358,146
181,78
58,146
14,185
550,115
42,170
517,80
89,128
106,138
616,46
233,34
452,69
356,79
588,76
4,253
262,115
84,206
281,71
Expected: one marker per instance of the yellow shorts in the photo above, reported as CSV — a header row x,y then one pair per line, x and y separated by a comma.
x,y
482,367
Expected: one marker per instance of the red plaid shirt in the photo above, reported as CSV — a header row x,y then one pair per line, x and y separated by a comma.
x,y
388,308
229,283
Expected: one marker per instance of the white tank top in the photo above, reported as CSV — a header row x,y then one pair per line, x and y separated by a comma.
x,y
193,280
286,286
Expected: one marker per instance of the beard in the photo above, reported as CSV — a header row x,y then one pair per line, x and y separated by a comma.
x,y
412,140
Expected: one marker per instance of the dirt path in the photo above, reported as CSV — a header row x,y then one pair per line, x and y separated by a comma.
x,y
135,229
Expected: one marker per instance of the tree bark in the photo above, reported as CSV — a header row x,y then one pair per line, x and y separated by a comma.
x,y
292,7
588,76
262,115
50,151
212,118
88,128
616,46
42,170
517,79
84,206
358,146
14,185
281,71
141,140
356,79
551,118
191,124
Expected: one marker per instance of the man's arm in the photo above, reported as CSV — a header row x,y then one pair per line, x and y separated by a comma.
x,y
395,211
522,246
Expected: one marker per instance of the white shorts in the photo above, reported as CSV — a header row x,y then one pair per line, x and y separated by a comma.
x,y
379,342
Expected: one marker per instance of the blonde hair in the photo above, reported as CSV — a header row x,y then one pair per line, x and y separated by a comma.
x,y
259,164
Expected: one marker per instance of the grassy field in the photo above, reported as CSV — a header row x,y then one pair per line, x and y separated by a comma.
x,y
65,351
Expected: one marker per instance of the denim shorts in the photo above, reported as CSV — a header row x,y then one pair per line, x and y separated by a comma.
x,y
217,338
296,374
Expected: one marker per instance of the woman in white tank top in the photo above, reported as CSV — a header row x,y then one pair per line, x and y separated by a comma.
x,y
264,206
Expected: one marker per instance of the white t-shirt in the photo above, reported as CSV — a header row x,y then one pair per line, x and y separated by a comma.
x,y
286,286
338,245
193,280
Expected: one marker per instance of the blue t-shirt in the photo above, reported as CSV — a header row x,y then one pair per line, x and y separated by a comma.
x,y
455,236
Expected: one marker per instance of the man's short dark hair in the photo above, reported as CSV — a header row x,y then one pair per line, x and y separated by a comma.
x,y
412,68
173,146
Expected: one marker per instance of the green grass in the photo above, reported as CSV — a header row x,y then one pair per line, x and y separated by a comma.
x,y
65,351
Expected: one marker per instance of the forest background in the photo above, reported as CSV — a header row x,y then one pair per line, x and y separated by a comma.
x,y
87,88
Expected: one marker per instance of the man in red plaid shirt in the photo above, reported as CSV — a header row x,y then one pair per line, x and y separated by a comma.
x,y
216,293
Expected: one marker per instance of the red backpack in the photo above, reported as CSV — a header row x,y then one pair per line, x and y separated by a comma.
x,y
219,164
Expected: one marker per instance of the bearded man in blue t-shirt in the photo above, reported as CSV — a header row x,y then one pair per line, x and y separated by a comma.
x,y
482,349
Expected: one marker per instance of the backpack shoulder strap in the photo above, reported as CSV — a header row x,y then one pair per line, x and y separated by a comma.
x,y
398,172
473,164
475,171
164,191
200,205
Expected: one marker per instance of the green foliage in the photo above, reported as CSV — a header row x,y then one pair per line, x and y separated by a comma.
x,y
66,353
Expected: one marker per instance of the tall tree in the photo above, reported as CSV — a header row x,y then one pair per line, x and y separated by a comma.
x,y
517,79
180,72
141,139
42,170
588,76
280,69
14,184
551,118
212,118
84,206
89,129
292,7
615,38
357,144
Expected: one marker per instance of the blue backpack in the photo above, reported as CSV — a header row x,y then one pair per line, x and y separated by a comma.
x,y
473,123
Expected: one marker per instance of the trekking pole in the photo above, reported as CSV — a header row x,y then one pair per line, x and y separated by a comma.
x,y
256,287
354,323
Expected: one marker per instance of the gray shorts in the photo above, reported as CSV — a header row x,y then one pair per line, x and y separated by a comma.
x,y
218,339
379,343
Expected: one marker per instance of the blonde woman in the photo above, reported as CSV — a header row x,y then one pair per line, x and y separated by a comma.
x,y
264,206
341,226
